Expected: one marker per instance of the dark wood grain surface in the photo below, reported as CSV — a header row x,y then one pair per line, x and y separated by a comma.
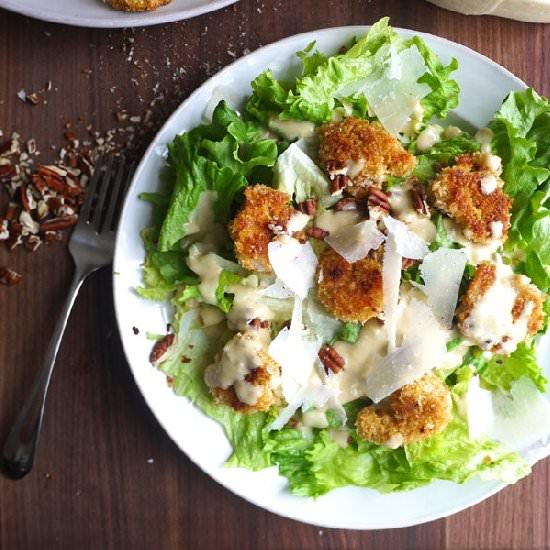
x,y
94,485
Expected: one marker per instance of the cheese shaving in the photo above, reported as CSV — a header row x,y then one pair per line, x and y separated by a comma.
x,y
354,242
294,263
408,243
442,272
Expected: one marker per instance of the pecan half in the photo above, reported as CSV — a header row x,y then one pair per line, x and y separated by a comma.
x,y
378,199
349,203
258,323
9,277
7,171
407,262
419,199
317,233
160,349
331,359
338,183
58,224
308,207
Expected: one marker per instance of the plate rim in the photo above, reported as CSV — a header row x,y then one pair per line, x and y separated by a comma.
x,y
120,19
151,149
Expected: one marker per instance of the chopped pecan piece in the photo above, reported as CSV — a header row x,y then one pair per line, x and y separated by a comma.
x,y
160,349
9,277
378,199
419,199
317,233
308,207
331,359
58,224
349,203
338,183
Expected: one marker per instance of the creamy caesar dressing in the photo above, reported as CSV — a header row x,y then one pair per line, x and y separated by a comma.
x,y
428,137
248,303
292,129
476,252
202,221
403,209
332,220
492,163
490,322
238,358
484,136
488,184
340,437
207,267
315,418
372,343
210,315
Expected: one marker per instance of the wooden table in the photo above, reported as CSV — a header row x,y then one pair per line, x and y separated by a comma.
x,y
94,483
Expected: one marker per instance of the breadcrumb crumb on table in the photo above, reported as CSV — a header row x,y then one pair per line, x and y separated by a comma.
x,y
350,292
414,412
363,151
481,211
265,212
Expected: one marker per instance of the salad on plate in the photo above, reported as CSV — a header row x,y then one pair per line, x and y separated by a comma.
x,y
356,280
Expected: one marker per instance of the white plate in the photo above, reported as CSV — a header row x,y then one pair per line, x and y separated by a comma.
x,y
201,438
94,13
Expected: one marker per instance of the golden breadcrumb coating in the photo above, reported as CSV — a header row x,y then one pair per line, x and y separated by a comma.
x,y
416,411
265,212
136,5
362,150
262,376
485,277
350,292
457,191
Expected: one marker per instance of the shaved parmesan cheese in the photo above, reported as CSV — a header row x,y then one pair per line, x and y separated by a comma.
x,y
408,243
354,242
294,354
442,272
391,94
297,222
479,409
517,419
277,290
391,272
296,174
286,414
294,263
423,348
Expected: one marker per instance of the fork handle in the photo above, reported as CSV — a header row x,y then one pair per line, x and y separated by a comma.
x,y
20,446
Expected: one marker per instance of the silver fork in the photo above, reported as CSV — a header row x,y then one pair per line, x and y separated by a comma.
x,y
91,247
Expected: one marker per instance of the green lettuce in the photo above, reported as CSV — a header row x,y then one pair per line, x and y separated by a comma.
x,y
331,83
315,464
521,129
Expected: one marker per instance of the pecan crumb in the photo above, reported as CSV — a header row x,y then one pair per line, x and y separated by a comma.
x,y
317,233
161,347
331,359
308,207
9,277
338,183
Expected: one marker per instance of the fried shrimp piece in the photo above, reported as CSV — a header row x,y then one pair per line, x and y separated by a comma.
x,y
265,213
136,5
416,411
363,151
471,195
500,309
351,292
244,376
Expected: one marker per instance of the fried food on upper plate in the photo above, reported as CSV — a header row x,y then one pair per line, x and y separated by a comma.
x,y
363,151
265,212
259,387
471,195
528,302
136,5
416,411
350,292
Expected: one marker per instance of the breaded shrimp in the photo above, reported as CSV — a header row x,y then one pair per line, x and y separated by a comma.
x,y
472,196
362,150
254,375
136,5
265,212
350,292
479,326
416,411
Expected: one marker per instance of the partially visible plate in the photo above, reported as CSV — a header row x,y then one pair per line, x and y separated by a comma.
x,y
94,13
200,437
